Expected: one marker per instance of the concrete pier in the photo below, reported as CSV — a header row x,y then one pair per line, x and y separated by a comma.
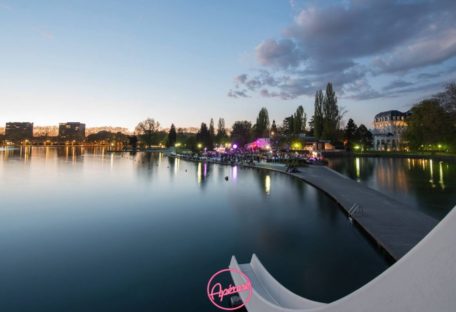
x,y
393,225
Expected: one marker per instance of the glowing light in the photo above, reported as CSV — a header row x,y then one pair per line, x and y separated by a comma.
x,y
267,184
200,145
358,167
234,172
235,146
177,144
357,147
296,145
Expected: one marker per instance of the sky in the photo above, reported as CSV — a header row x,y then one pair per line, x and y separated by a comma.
x,y
183,62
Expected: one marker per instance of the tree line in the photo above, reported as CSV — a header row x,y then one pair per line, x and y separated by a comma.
x,y
324,125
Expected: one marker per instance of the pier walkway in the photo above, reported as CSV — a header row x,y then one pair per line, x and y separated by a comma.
x,y
393,225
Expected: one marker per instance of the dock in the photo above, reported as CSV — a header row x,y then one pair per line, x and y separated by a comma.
x,y
394,226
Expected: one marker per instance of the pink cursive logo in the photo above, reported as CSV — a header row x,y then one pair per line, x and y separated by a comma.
x,y
221,296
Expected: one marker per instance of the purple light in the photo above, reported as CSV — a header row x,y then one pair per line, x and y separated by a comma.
x,y
234,146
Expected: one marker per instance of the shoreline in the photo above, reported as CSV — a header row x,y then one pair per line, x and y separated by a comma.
x,y
411,227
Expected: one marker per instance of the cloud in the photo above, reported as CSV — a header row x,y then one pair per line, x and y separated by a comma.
x,y
237,94
397,84
281,53
351,43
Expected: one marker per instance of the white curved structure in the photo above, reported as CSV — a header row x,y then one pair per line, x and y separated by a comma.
x,y
423,280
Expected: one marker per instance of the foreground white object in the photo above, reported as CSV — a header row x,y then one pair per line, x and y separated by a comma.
x,y
423,280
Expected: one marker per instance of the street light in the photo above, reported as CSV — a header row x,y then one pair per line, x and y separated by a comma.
x,y
200,145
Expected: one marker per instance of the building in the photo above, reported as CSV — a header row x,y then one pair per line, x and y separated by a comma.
x,y
388,129
72,131
18,131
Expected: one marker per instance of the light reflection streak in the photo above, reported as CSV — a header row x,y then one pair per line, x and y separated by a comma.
x,y
234,172
431,170
267,184
441,181
358,167
199,173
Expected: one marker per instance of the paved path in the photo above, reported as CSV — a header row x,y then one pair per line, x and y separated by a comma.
x,y
395,226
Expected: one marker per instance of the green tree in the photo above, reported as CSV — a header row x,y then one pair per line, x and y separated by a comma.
x,y
350,134
429,124
273,129
331,114
447,98
262,124
364,137
221,136
148,132
241,133
204,137
317,119
212,130
299,120
172,136
288,125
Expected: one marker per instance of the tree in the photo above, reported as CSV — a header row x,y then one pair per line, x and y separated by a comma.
x,y
331,115
221,136
212,130
273,129
364,137
203,137
148,131
288,125
172,136
241,133
447,98
429,124
317,119
262,124
299,120
350,134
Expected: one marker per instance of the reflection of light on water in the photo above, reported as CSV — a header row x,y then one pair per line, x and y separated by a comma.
x,y
234,172
205,170
199,172
431,170
358,169
112,160
408,163
441,181
176,165
267,184
160,156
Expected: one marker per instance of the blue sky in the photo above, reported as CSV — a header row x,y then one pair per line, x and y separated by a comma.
x,y
118,62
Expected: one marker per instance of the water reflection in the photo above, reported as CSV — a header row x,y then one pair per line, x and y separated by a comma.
x,y
267,184
425,184
101,218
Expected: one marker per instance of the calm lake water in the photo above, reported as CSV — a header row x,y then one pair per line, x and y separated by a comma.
x,y
424,184
84,230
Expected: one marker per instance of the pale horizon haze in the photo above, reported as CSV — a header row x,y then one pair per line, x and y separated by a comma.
x,y
115,63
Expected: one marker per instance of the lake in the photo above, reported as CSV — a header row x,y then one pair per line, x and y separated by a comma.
x,y
424,184
86,230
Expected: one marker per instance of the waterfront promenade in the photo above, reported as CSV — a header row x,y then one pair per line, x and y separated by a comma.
x,y
393,225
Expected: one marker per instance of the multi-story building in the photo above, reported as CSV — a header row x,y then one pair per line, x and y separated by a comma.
x,y
18,131
72,131
388,129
